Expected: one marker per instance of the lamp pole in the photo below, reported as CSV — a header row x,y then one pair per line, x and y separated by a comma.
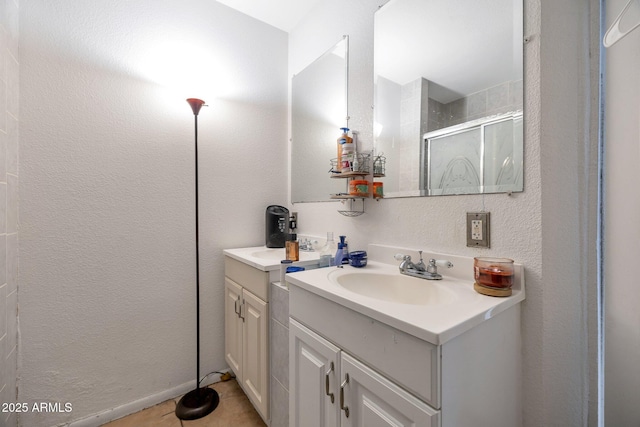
x,y
199,402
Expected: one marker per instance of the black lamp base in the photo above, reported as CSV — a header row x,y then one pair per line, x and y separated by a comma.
x,y
197,403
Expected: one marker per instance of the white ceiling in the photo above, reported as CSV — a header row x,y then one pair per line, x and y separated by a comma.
x,y
282,14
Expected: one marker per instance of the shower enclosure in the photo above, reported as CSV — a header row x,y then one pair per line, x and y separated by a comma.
x,y
480,156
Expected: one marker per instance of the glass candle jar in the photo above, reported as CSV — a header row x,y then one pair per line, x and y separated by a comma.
x,y
496,273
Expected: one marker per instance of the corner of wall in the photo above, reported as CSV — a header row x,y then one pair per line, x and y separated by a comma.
x,y
9,89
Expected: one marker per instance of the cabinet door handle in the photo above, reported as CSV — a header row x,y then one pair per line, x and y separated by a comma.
x,y
236,307
344,383
326,383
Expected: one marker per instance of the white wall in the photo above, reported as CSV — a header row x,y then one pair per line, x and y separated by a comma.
x,y
9,79
621,226
107,281
550,227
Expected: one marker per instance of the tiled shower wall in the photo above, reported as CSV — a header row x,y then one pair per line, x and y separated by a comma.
x,y
9,67
498,99
413,96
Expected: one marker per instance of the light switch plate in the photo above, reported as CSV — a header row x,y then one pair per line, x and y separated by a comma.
x,y
478,229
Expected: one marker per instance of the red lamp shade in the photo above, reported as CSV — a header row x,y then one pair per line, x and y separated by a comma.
x,y
196,104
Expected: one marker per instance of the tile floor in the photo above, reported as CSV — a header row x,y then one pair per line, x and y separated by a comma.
x,y
234,410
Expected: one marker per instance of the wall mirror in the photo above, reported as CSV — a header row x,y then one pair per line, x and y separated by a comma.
x,y
318,111
449,96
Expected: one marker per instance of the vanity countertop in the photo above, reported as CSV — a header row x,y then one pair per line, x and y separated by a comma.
x,y
436,323
267,259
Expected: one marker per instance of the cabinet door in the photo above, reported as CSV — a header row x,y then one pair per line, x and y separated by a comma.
x,y
374,401
255,340
314,367
233,326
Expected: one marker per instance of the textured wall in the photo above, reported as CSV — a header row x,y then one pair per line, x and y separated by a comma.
x,y
106,193
107,283
9,78
550,227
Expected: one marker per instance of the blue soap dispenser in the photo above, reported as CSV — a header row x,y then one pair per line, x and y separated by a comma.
x,y
338,258
345,250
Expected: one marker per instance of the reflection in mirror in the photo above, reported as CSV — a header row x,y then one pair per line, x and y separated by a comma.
x,y
449,96
318,111
482,156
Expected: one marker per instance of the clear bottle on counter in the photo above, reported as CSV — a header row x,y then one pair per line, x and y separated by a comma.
x,y
327,252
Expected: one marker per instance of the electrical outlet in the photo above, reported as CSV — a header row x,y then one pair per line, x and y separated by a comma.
x,y
478,229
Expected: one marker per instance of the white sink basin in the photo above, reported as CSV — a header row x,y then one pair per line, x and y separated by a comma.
x,y
278,254
433,310
395,288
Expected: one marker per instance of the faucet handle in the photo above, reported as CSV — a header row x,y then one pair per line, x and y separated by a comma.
x,y
441,263
401,257
435,263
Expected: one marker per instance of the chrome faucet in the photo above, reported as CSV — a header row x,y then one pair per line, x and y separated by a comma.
x,y
429,272
420,265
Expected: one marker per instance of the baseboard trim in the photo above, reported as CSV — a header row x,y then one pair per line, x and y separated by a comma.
x,y
140,404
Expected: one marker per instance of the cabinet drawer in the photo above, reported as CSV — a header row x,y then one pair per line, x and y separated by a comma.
x,y
411,362
250,278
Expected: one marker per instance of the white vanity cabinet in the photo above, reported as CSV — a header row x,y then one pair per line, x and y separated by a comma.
x,y
394,377
330,388
247,330
313,379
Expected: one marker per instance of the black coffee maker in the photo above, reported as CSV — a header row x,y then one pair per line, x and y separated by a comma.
x,y
276,226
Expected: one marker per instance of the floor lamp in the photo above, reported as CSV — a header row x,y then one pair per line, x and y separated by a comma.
x,y
199,402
